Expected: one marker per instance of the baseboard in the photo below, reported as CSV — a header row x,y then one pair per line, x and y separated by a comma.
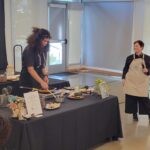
x,y
94,70
74,68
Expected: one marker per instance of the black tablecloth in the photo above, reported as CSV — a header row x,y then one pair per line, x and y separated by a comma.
x,y
53,83
77,125
56,83
14,84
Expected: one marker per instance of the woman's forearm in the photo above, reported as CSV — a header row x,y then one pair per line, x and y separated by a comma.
x,y
33,73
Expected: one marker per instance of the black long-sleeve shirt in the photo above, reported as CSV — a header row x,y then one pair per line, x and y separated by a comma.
x,y
130,58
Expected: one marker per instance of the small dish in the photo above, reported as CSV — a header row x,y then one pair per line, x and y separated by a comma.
x,y
52,106
75,97
68,88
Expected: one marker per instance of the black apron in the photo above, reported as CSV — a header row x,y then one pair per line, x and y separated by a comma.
x,y
28,81
39,61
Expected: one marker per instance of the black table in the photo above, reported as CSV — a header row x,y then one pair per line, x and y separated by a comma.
x,y
77,125
14,84
57,83
53,83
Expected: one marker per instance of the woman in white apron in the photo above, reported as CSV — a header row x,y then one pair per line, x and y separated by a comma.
x,y
135,82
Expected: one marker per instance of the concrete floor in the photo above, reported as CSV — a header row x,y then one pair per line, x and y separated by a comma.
x,y
136,134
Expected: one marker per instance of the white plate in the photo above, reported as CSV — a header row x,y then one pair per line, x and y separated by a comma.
x,y
76,97
52,106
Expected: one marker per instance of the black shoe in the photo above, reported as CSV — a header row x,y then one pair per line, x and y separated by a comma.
x,y
135,117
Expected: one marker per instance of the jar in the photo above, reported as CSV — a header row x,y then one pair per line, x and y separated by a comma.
x,y
3,77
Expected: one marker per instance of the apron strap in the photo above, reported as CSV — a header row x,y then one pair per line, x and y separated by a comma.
x,y
144,62
142,59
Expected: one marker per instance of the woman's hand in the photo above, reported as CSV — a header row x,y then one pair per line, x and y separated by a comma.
x,y
34,74
145,70
46,79
123,82
44,85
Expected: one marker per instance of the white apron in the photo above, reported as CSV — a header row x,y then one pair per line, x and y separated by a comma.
x,y
136,82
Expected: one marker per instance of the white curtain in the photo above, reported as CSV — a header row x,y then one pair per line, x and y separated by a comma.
x,y
107,34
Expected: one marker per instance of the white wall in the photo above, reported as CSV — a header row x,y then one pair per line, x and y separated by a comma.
x,y
40,13
141,23
21,16
140,29
8,31
107,34
146,27
138,20
106,0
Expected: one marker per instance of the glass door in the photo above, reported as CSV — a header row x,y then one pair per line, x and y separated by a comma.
x,y
57,27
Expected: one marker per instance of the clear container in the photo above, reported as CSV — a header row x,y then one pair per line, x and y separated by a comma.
x,y
3,77
3,100
59,98
10,70
42,100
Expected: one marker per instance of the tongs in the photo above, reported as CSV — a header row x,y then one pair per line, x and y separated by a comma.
x,y
29,88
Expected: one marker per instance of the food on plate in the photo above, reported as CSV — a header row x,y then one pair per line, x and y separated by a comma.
x,y
89,90
76,97
45,91
52,105
77,94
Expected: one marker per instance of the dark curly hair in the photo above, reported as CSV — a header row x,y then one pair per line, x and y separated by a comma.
x,y
38,34
5,129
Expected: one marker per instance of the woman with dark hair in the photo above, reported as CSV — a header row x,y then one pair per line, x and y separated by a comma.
x,y
136,80
33,73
